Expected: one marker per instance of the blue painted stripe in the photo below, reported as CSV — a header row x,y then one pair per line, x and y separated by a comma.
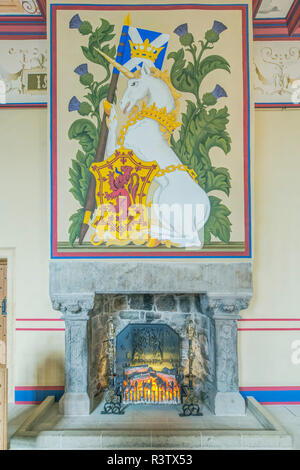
x,y
21,33
36,395
270,36
262,396
273,396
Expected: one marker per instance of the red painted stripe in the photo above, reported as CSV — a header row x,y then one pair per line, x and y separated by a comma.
x,y
268,329
153,254
40,329
188,6
270,31
269,21
27,19
269,319
27,402
270,388
280,402
22,28
276,105
39,319
21,105
246,156
39,387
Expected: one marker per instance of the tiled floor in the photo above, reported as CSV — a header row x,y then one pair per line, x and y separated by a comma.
x,y
287,415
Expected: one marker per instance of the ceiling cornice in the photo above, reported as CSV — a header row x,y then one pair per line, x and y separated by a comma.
x,y
293,18
43,7
34,27
274,29
256,4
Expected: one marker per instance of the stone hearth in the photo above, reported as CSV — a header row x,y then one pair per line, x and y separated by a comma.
x,y
212,295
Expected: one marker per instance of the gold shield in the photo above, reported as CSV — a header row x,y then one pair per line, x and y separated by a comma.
x,y
122,184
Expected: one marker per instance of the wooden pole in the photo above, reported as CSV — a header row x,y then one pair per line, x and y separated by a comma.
x,y
90,201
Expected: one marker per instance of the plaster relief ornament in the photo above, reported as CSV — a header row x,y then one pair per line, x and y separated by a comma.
x,y
24,72
147,183
277,70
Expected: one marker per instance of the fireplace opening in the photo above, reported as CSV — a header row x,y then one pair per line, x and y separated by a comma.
x,y
148,364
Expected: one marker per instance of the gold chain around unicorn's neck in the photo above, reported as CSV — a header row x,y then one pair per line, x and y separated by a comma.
x,y
166,120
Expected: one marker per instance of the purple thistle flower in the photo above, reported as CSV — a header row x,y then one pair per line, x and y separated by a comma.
x,y
218,27
219,92
75,22
181,30
74,104
81,69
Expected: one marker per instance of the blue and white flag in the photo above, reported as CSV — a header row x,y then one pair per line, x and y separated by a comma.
x,y
139,36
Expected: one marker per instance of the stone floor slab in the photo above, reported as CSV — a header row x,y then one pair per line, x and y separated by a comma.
x,y
149,427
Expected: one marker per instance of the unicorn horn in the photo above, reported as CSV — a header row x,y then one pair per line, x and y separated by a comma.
x,y
118,66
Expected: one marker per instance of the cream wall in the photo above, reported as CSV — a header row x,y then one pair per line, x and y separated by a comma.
x,y
37,356
24,235
265,355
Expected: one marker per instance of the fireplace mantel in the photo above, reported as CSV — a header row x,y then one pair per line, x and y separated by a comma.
x,y
68,278
225,288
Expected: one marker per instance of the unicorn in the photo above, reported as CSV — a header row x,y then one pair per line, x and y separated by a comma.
x,y
175,189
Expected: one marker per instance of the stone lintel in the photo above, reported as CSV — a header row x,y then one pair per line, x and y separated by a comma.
x,y
76,278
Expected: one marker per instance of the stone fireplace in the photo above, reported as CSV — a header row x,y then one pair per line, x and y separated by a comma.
x,y
150,305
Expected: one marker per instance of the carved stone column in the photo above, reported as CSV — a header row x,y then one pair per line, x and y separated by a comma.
x,y
223,397
75,312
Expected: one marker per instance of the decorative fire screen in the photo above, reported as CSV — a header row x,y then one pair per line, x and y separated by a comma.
x,y
147,363
142,384
135,381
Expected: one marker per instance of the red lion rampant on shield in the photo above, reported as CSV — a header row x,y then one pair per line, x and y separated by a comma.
x,y
118,185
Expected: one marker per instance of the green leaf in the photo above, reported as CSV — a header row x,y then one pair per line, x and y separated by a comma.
x,y
102,34
218,223
223,142
218,179
209,64
85,132
182,75
74,228
76,193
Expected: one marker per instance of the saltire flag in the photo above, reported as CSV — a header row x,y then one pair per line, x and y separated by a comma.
x,y
139,36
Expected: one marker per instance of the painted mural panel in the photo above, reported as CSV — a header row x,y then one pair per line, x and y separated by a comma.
x,y
23,72
277,73
150,130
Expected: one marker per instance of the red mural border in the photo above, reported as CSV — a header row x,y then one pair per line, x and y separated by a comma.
x,y
246,132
